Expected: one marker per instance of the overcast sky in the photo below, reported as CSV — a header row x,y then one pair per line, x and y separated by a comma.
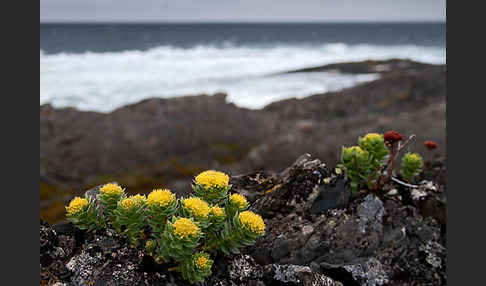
x,y
240,10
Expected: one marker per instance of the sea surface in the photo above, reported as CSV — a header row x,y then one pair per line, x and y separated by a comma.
x,y
101,67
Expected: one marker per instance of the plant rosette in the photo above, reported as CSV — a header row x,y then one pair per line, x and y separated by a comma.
x,y
412,164
242,230
130,213
82,212
161,205
197,267
196,208
217,216
178,241
109,196
212,186
376,147
236,203
357,164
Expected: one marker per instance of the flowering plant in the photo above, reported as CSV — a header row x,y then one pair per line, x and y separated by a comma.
x,y
186,231
82,212
130,214
372,162
412,164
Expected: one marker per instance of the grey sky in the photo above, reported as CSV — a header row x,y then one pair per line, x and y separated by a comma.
x,y
241,10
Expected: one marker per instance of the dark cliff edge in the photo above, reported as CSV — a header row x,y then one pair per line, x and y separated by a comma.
x,y
164,142
316,234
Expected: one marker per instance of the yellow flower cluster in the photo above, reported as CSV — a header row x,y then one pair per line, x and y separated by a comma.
x,y
238,200
201,262
160,198
139,198
76,205
217,211
149,244
212,178
111,189
253,222
184,227
355,148
132,201
372,136
414,157
197,207
128,203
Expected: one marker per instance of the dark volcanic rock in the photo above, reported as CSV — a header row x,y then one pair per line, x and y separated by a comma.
x,y
331,196
293,188
368,66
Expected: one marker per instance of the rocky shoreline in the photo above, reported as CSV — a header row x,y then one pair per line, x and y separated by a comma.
x,y
317,234
136,146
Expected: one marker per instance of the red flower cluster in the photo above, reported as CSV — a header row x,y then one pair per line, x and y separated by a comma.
x,y
431,145
391,137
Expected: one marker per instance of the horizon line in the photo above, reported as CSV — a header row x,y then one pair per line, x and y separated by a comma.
x,y
249,22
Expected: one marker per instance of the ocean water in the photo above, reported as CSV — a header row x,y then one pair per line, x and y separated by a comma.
x,y
102,67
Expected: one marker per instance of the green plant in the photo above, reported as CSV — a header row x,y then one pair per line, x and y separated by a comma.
x,y
109,196
211,186
357,164
130,214
185,231
374,143
371,163
161,204
197,267
82,212
412,164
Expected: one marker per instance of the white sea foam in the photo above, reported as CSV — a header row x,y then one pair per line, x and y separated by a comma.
x,y
105,81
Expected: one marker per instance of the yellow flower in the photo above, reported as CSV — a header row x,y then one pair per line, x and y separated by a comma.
x,y
139,198
132,201
111,189
252,222
196,206
201,262
128,203
76,205
238,200
372,136
212,178
413,157
149,244
160,198
184,227
356,149
217,211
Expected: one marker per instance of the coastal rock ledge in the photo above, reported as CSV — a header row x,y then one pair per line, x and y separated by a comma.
x,y
316,235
